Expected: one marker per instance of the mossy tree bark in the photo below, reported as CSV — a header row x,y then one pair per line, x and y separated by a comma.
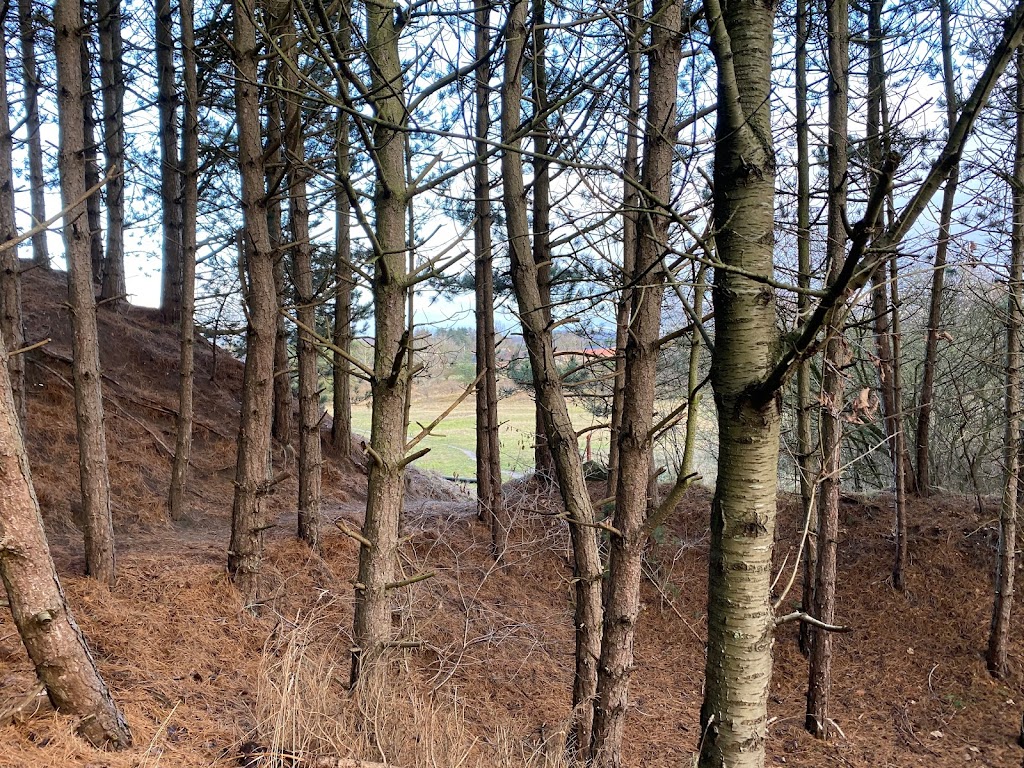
x,y
92,444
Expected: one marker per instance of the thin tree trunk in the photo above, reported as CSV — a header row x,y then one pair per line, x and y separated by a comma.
x,y
11,324
92,444
488,452
806,462
837,356
390,383
341,427
90,154
543,459
170,165
625,564
177,501
630,204
740,622
284,402
309,465
886,315
113,287
931,354
561,437
902,468
248,519
693,395
52,638
30,78
999,632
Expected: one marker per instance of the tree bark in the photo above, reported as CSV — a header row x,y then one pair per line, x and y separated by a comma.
x,y
740,621
561,437
52,638
543,458
309,469
92,445
177,501
647,281
113,287
90,152
931,354
341,426
999,631
248,518
806,463
630,206
488,450
11,324
170,165
390,382
837,356
30,78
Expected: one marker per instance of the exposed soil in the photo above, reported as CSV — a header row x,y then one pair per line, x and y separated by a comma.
x,y
190,667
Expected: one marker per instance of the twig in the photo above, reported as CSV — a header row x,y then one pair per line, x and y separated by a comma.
x,y
444,415
30,347
411,580
352,534
808,619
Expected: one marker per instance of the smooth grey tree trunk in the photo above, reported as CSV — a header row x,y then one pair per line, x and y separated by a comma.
x,y
170,165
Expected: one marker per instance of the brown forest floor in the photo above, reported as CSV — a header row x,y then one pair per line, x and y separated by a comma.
x,y
191,667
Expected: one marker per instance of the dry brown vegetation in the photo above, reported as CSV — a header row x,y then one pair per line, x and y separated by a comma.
x,y
485,679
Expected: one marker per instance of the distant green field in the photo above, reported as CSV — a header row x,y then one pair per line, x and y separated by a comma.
x,y
453,442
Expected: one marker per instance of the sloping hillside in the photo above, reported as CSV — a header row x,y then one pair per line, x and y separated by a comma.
x,y
484,674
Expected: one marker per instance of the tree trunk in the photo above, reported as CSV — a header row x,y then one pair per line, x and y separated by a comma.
x,y
543,459
113,286
177,501
805,449
309,465
92,445
341,427
170,168
999,632
740,621
630,204
11,324
931,354
248,522
90,153
837,356
625,565
561,437
52,638
488,451
390,382
30,78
